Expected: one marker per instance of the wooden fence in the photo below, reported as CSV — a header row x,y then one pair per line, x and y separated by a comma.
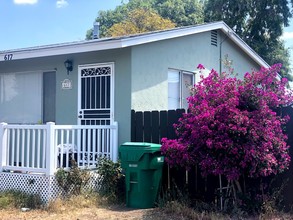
x,y
152,126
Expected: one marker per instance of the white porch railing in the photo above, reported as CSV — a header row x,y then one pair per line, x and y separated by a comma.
x,y
44,148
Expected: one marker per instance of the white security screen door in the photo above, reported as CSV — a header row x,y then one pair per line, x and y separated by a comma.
x,y
96,94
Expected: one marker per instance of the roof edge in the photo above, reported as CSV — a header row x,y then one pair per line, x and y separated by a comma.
x,y
243,45
127,41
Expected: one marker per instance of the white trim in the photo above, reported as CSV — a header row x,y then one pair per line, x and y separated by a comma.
x,y
128,41
78,94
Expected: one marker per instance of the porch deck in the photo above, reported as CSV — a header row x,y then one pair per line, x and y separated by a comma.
x,y
42,149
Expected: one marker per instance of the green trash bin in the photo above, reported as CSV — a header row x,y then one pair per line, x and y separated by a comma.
x,y
143,165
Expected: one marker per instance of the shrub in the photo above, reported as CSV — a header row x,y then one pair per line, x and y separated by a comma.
x,y
19,199
112,179
232,127
73,180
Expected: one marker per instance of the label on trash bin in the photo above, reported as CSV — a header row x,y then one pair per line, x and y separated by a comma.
x,y
132,165
160,159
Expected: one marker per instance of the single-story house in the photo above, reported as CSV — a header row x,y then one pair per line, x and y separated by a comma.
x,y
77,97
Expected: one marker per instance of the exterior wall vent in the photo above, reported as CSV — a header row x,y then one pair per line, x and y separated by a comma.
x,y
214,38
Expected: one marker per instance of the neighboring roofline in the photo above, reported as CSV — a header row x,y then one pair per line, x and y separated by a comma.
x,y
128,41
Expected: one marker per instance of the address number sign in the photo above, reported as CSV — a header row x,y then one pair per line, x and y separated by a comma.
x,y
8,56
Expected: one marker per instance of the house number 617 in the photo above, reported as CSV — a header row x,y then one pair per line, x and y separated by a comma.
x,y
8,56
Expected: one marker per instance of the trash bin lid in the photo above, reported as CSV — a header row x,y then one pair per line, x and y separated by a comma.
x,y
133,151
152,146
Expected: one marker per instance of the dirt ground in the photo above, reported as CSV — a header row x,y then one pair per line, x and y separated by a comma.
x,y
122,213
114,213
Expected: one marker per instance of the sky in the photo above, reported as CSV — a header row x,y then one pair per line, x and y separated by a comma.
x,y
27,23
288,38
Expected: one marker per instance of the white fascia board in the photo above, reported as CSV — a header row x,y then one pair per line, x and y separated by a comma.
x,y
163,35
61,49
137,40
101,44
112,43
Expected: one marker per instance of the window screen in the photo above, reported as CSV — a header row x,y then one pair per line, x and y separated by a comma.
x,y
179,84
21,97
187,83
173,89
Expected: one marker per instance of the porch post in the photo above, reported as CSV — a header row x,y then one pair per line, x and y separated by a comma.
x,y
115,142
3,145
50,155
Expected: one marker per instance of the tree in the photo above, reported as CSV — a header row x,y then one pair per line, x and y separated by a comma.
x,y
180,12
110,17
246,18
232,127
140,21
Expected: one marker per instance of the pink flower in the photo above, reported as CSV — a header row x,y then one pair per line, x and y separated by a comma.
x,y
232,126
200,67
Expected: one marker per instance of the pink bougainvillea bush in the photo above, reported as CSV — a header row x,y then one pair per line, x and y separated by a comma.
x,y
232,126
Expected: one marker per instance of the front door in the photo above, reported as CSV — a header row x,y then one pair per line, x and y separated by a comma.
x,y
95,95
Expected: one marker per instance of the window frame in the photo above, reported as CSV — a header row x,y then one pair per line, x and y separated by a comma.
x,y
181,86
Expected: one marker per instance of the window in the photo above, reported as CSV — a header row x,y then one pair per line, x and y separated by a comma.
x,y
21,98
179,84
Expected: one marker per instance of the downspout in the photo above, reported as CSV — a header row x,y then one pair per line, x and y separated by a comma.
x,y
221,51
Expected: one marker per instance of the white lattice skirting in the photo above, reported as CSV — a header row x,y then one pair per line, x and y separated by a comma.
x,y
44,186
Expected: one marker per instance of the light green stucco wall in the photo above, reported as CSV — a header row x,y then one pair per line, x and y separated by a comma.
x,y
141,73
150,63
66,100
241,62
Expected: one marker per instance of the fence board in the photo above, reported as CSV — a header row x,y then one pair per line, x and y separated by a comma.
x,y
147,128
152,126
155,132
133,123
139,127
163,125
172,118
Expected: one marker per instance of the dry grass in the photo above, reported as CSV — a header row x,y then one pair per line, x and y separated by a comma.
x,y
94,207
180,211
73,203
78,207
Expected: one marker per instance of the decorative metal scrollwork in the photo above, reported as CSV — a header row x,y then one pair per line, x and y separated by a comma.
x,y
98,71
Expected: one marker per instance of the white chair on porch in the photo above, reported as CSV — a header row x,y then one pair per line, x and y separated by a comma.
x,y
63,150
